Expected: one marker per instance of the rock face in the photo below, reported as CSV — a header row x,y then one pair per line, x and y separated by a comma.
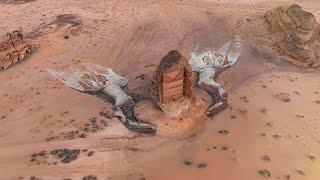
x,y
296,34
173,79
13,49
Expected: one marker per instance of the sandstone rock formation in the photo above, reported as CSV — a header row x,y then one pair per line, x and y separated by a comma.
x,y
295,33
13,49
173,79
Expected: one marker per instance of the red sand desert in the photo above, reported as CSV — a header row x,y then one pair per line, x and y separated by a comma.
x,y
271,129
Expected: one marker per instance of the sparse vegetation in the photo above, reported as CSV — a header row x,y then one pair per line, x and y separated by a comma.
x,y
265,158
300,172
265,173
312,158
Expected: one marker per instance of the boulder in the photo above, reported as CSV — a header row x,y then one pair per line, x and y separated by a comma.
x,y
13,49
295,33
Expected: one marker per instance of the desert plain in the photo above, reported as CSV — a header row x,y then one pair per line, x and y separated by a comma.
x,y
271,129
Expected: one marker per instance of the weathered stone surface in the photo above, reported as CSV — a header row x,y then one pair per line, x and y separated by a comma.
x,y
296,34
173,79
13,49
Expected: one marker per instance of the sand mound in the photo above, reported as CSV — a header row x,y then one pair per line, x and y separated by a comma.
x,y
295,33
13,49
188,121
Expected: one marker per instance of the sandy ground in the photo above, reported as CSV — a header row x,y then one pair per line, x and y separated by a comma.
x,y
131,37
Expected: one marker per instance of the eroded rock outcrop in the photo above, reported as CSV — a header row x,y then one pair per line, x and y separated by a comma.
x,y
13,49
296,34
172,84
173,78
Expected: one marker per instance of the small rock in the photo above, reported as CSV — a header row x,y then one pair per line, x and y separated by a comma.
x,y
106,114
270,124
83,135
264,173
35,178
105,124
283,96
312,158
233,116
224,148
300,172
300,116
265,158
188,162
90,177
263,110
224,132
202,165
91,153
244,99
66,155
42,153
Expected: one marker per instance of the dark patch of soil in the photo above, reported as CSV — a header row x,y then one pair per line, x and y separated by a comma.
x,y
71,22
90,177
93,125
66,155
53,157
15,2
